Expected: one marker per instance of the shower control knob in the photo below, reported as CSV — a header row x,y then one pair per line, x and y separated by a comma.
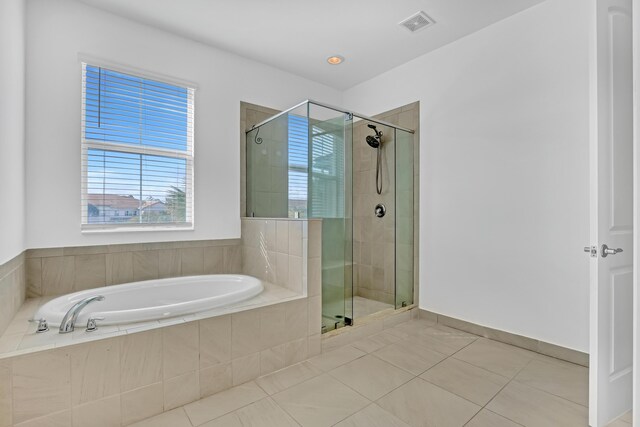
x,y
380,210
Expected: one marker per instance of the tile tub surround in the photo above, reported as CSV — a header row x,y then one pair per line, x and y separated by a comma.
x,y
283,251
20,337
57,271
12,289
531,344
131,374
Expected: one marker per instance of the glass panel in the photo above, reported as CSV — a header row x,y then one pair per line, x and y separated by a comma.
x,y
330,199
374,237
277,167
404,219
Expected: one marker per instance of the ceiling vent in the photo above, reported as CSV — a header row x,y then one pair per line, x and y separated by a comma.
x,y
417,21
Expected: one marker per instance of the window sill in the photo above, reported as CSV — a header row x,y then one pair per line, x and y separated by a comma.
x,y
114,229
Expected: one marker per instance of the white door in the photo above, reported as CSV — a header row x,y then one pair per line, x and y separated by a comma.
x,y
611,276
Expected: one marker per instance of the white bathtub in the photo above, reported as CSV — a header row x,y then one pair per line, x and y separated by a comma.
x,y
154,299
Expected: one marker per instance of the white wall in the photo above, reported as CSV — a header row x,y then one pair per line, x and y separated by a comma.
x,y
12,128
58,31
504,171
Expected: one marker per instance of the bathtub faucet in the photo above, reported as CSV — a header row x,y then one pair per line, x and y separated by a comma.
x,y
69,320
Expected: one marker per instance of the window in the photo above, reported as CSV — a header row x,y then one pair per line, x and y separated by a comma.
x,y
298,135
137,151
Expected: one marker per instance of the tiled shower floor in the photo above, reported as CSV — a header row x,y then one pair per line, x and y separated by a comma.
x,y
364,307
416,374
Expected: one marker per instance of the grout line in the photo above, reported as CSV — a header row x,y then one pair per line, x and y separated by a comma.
x,y
500,391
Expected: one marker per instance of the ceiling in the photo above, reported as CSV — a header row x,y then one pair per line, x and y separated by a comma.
x,y
298,35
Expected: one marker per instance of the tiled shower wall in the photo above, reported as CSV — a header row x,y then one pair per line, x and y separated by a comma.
x,y
12,289
373,237
374,252
59,271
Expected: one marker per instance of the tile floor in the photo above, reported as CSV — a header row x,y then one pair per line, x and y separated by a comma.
x,y
414,374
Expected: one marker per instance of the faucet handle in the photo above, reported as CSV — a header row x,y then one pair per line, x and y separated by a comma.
x,y
92,325
43,326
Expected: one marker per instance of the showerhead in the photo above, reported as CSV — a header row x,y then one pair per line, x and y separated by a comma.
x,y
373,141
370,126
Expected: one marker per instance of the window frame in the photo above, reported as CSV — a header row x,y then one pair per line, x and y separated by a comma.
x,y
89,144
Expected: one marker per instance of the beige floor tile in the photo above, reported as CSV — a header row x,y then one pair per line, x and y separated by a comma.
x,y
628,417
619,423
420,403
475,384
222,403
438,344
376,342
264,412
371,377
229,420
487,418
496,357
288,377
320,401
452,337
372,416
332,359
410,357
532,407
175,418
557,377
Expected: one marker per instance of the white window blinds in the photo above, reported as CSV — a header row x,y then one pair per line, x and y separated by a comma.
x,y
298,154
137,151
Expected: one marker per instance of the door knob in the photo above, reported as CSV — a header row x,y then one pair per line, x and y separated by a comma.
x,y
609,251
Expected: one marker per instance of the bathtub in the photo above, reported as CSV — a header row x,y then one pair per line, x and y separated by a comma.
x,y
154,299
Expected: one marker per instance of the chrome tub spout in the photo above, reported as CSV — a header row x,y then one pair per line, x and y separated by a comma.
x,y
69,321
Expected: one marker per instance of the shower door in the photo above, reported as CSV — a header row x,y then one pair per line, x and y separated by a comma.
x,y
404,226
330,182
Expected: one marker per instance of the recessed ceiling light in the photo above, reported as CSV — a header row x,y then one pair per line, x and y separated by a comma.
x,y
335,60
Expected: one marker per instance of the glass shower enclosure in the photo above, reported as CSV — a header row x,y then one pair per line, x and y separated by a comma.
x,y
313,161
